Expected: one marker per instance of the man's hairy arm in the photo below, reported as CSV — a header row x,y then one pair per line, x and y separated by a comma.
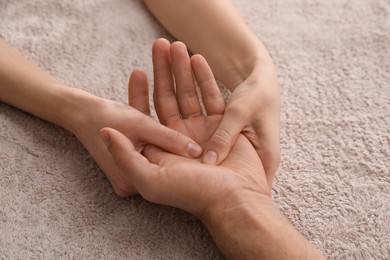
x,y
257,230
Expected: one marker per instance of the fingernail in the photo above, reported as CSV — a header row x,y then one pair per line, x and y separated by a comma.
x,y
105,137
210,157
194,149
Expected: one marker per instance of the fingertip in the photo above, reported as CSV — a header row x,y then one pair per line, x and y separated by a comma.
x,y
197,59
223,139
137,76
160,41
179,44
194,150
138,91
179,49
210,157
159,49
137,72
198,62
201,68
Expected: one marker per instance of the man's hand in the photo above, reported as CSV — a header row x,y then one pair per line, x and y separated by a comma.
x,y
232,199
182,182
242,63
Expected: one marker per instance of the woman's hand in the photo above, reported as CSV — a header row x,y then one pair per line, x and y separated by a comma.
x,y
232,199
242,63
31,89
136,125
253,109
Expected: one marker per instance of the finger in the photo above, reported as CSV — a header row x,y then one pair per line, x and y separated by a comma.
x,y
185,88
211,95
157,155
154,183
128,160
177,187
224,137
170,140
139,92
164,95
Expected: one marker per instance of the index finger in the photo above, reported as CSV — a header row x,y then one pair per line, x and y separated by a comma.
x,y
151,132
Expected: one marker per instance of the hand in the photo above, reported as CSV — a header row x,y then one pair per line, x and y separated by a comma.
x,y
31,89
240,61
181,182
253,109
233,199
136,125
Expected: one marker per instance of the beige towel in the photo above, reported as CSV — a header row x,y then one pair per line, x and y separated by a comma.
x,y
334,179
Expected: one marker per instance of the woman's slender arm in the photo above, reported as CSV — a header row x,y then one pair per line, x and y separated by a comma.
x,y
215,30
241,62
27,87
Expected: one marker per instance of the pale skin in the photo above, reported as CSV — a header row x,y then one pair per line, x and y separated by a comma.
x,y
232,199
240,61
231,184
27,87
236,55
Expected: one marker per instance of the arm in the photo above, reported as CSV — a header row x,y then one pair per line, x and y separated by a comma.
x,y
257,230
215,30
233,199
250,227
25,86
242,63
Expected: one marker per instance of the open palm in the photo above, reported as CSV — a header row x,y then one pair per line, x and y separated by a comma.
x,y
182,182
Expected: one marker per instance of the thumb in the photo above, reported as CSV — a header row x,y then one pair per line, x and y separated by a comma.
x,y
223,139
127,159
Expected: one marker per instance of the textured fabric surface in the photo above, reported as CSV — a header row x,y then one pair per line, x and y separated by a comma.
x,y
333,57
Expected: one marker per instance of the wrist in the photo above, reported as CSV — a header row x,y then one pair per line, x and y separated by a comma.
x,y
238,228
251,62
75,107
256,229
235,208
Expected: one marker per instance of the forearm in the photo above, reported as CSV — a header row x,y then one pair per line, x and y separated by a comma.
x,y
29,88
258,230
215,30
